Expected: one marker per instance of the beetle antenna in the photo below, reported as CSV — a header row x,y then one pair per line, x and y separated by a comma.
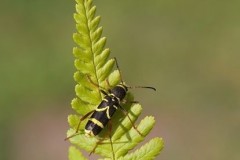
x,y
142,87
118,69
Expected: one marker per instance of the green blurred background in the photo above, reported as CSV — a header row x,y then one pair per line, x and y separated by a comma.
x,y
188,50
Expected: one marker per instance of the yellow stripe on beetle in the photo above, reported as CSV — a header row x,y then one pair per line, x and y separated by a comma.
x,y
97,122
102,109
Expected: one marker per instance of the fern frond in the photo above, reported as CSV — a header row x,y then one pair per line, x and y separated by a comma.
x,y
149,151
75,154
94,72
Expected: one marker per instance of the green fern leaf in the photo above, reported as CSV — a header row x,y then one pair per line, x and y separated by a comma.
x,y
95,72
74,154
147,152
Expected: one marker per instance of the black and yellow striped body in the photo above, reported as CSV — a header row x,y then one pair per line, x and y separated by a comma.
x,y
105,110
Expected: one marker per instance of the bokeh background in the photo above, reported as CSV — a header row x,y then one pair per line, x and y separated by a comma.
x,y
189,50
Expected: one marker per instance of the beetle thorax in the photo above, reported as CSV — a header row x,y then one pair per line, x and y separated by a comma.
x,y
119,91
